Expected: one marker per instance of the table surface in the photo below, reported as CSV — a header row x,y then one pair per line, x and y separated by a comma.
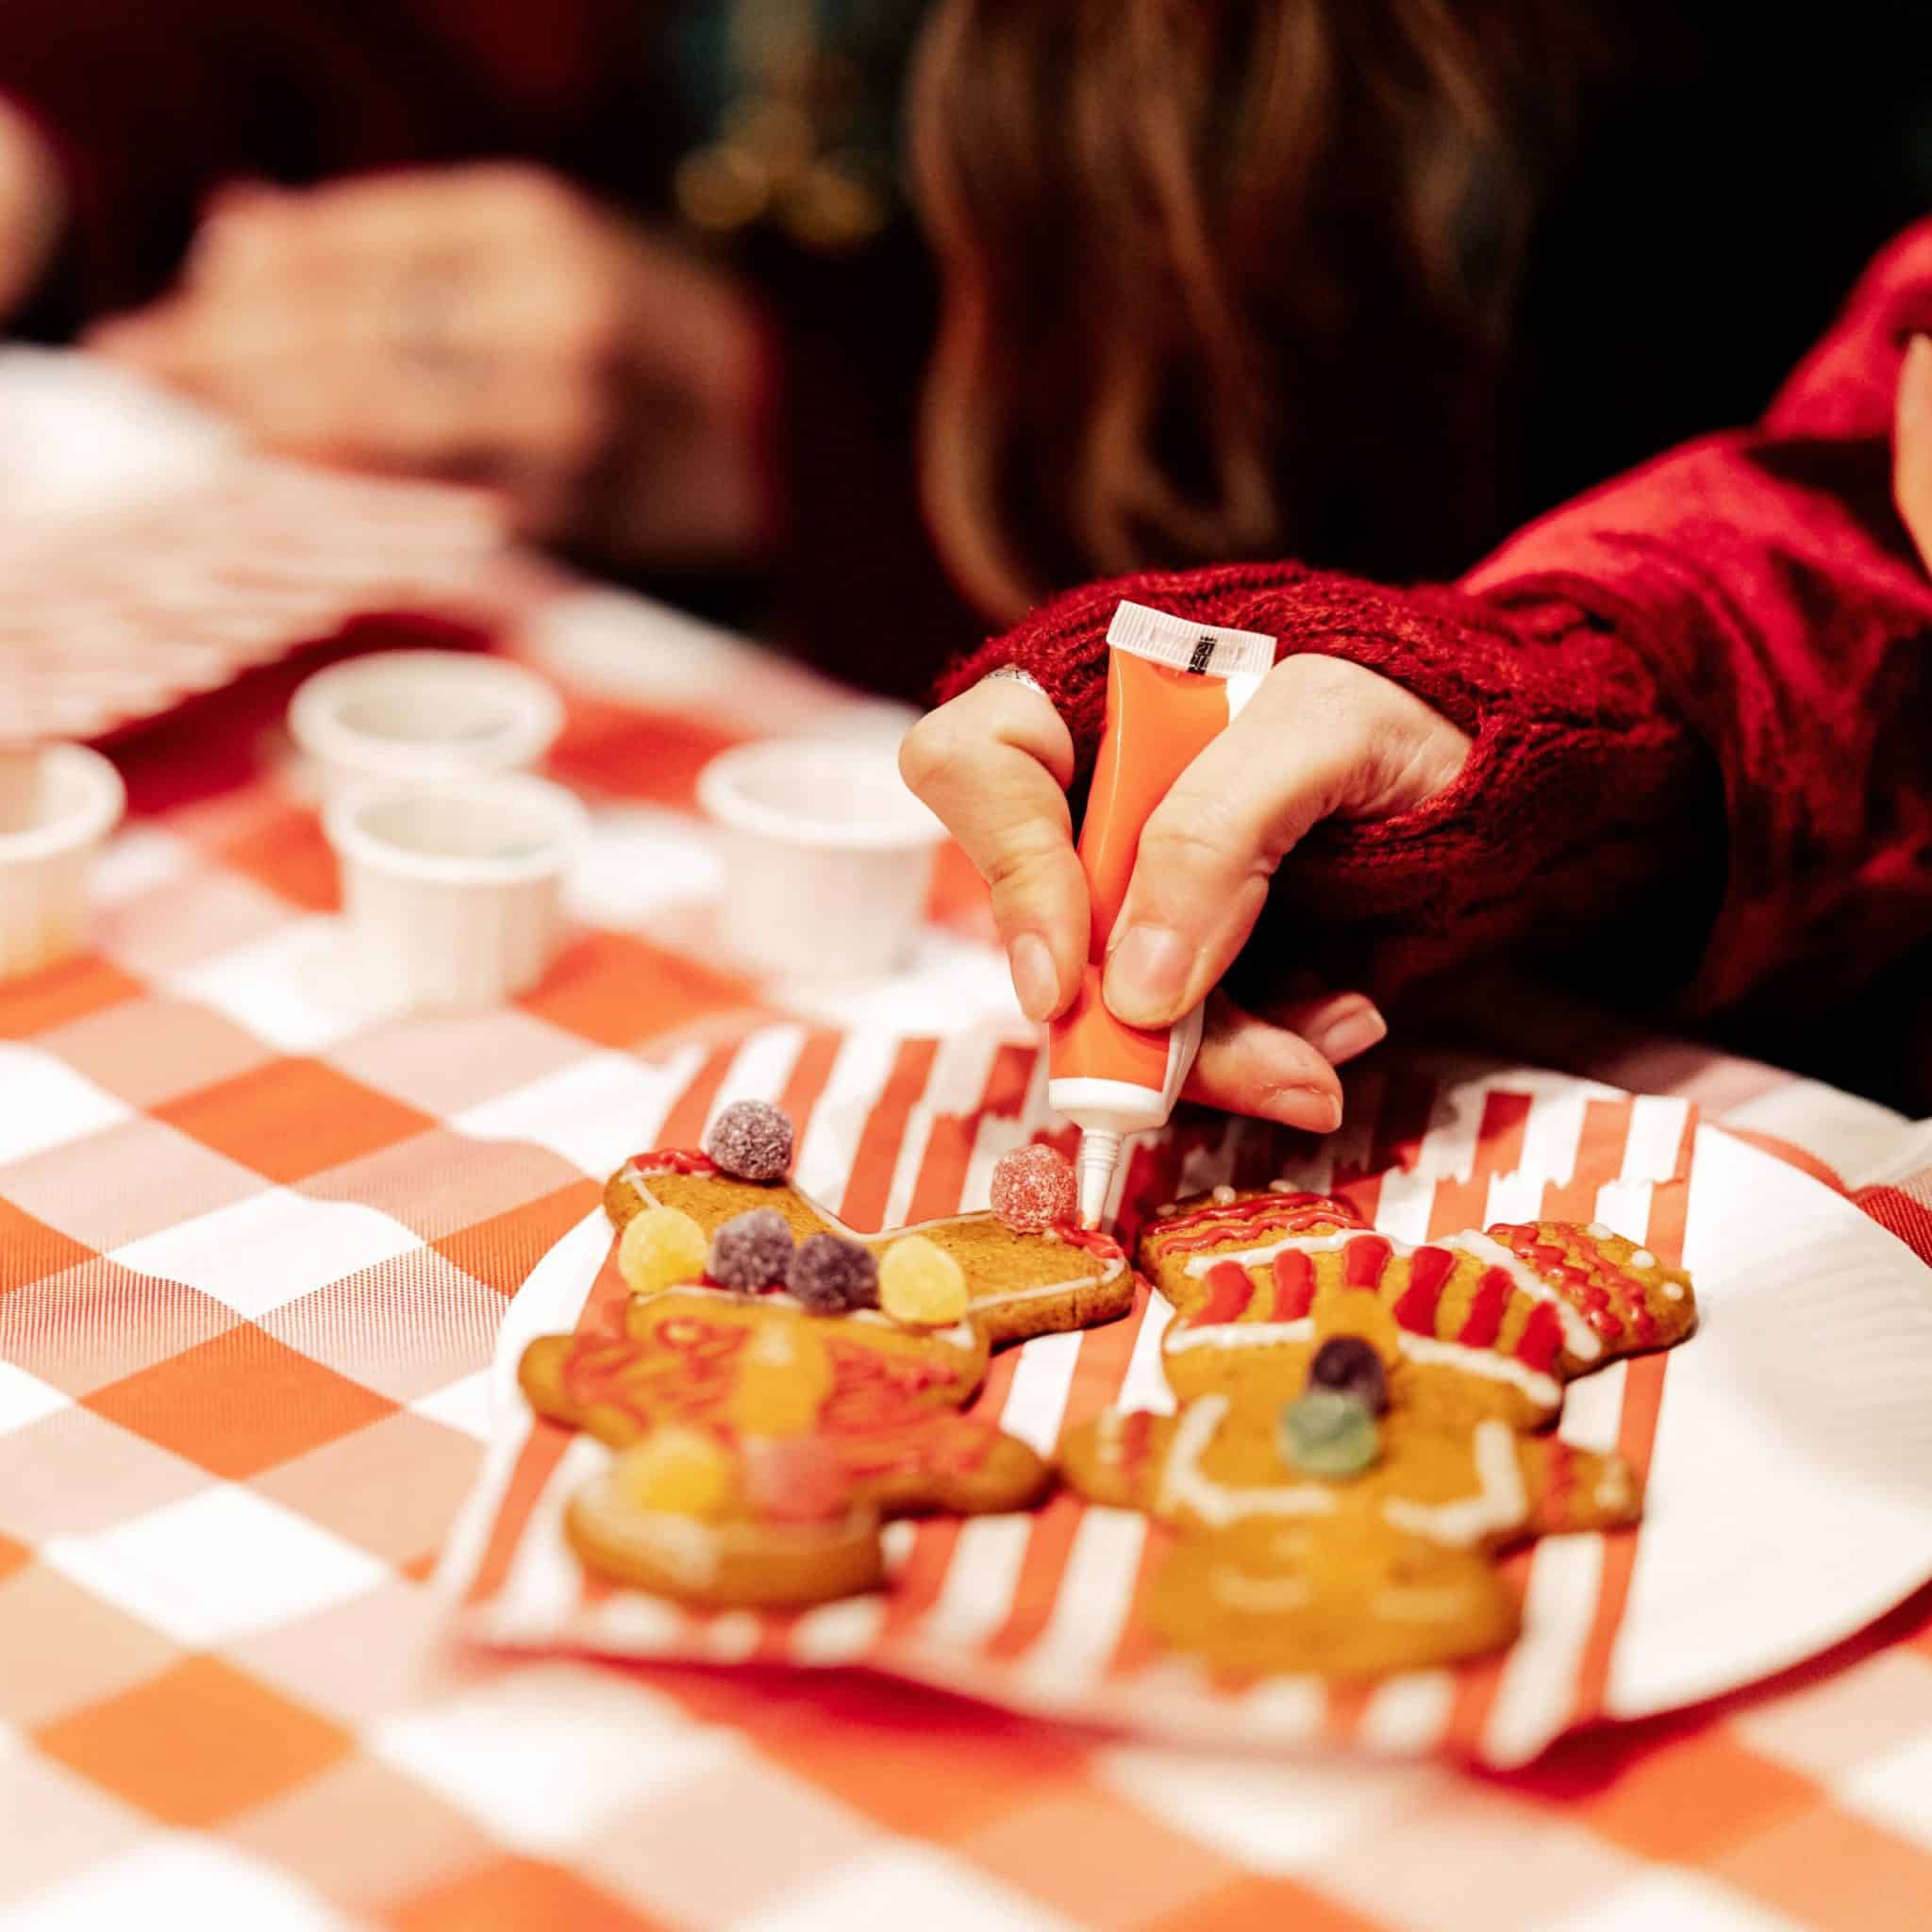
x,y
254,1247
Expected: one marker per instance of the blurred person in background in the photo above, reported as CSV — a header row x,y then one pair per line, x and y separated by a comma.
x,y
1360,284
648,266
642,266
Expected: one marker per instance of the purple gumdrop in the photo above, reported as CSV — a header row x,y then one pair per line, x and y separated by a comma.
x,y
830,1275
751,1141
751,1251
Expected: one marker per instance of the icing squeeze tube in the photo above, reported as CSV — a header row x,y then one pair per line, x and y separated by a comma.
x,y
1171,687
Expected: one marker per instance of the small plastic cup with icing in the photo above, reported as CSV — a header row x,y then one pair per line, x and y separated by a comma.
x,y
1171,685
829,856
57,804
421,715
452,892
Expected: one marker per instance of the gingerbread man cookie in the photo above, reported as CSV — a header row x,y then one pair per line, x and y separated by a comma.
x,y
1488,1323
1020,1283
775,1385
795,1434
1350,1449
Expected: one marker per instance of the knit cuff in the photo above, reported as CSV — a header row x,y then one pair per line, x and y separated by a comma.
x,y
1581,790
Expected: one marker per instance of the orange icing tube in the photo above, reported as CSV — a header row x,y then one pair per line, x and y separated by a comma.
x,y
1171,687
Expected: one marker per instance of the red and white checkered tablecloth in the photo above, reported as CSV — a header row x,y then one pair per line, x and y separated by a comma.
x,y
254,1253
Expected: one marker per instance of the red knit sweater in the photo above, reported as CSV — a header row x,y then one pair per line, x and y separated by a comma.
x,y
1701,700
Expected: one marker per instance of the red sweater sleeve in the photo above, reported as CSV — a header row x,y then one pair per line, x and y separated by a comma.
x,y
1700,699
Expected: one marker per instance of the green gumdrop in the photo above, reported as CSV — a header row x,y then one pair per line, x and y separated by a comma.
x,y
1329,1432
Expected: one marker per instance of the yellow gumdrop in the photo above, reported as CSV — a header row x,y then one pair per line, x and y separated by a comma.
x,y
677,1472
661,1246
1355,1311
783,1375
920,1284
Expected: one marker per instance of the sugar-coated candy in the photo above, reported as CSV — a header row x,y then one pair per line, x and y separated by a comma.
x,y
794,1478
1349,1363
830,1275
1358,1312
751,1141
751,1251
921,1285
1034,1188
659,1247
1326,1432
677,1471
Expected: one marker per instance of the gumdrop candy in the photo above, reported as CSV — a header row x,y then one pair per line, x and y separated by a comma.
x,y
659,1247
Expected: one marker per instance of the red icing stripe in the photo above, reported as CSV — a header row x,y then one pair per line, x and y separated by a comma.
x,y
1428,1269
1295,1285
1363,1261
1250,1220
1542,1335
673,1161
1134,1434
1485,1319
1230,1289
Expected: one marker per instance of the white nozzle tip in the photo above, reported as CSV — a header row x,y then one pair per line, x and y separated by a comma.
x,y
1100,1154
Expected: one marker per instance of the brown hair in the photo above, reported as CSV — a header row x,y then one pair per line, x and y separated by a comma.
x,y
1180,236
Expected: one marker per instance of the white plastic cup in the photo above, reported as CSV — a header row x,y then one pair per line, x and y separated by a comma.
x,y
827,854
422,715
58,804
452,890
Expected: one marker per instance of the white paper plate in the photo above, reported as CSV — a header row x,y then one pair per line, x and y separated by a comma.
x,y
1789,1497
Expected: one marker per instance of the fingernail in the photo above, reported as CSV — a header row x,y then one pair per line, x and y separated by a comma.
x,y
1348,1034
1313,1109
1035,982
1147,973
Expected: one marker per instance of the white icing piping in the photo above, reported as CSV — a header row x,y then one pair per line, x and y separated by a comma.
x,y
1183,1485
1578,1337
1500,1503
1261,1596
1000,1296
1239,1335
1301,1243
1415,1603
1543,1390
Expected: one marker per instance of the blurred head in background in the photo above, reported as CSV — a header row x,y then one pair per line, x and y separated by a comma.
x,y
1362,281
1222,279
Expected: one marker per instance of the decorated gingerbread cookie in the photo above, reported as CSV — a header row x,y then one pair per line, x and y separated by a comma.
x,y
1352,1445
1219,1462
1020,1281
796,1432
1484,1324
775,1385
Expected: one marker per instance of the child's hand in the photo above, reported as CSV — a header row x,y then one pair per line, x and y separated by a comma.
x,y
1320,738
